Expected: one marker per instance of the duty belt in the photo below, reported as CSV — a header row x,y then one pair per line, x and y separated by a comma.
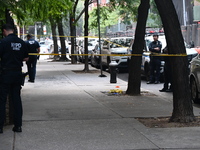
x,y
12,69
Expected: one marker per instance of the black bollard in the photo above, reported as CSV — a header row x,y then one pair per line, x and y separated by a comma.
x,y
113,72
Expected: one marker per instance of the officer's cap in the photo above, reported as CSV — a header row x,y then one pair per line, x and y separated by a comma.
x,y
29,36
155,34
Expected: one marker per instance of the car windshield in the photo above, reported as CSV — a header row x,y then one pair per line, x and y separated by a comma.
x,y
125,42
115,43
121,42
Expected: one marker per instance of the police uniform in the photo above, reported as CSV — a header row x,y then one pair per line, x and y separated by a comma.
x,y
13,50
167,73
155,62
31,63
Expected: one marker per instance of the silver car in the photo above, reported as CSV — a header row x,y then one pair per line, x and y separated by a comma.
x,y
115,49
195,78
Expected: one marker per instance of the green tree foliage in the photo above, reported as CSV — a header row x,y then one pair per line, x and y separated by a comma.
x,y
27,11
128,9
154,19
125,10
107,18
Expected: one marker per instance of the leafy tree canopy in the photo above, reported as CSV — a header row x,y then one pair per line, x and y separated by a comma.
x,y
107,16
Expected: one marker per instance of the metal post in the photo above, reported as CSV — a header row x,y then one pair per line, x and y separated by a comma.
x,y
98,18
36,31
184,13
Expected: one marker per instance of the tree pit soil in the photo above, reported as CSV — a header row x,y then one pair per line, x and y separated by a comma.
x,y
163,122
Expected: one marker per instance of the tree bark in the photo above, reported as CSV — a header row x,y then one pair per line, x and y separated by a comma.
x,y
134,80
62,40
86,69
182,104
72,23
55,42
73,38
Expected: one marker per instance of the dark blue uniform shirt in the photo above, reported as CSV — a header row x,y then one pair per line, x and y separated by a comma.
x,y
12,52
32,46
153,45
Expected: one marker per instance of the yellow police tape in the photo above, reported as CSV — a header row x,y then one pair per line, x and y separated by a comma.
x,y
113,54
147,54
60,36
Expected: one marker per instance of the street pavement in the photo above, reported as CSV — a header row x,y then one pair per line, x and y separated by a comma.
x,y
67,109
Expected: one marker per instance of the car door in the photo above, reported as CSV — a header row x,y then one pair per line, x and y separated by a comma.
x,y
104,51
196,70
145,56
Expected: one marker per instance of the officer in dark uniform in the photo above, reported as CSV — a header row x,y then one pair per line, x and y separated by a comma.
x,y
13,51
33,47
155,61
167,87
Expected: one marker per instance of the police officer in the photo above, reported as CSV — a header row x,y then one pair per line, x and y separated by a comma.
x,y
33,47
167,73
155,61
13,51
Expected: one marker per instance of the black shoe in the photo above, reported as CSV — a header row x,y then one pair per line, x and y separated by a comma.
x,y
17,129
163,90
169,90
1,130
150,82
32,81
156,82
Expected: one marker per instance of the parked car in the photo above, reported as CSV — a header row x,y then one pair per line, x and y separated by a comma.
x,y
80,48
195,79
91,47
43,47
79,45
115,46
145,66
95,58
51,48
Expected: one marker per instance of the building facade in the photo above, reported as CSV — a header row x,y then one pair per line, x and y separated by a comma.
x,y
184,10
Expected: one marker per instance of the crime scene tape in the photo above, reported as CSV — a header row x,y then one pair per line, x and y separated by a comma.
x,y
145,54
167,55
60,36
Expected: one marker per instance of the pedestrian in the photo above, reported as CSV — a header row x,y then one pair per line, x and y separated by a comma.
x,y
34,49
13,51
155,61
167,87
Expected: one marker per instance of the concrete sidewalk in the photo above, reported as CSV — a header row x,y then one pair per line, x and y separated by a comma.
x,y
68,110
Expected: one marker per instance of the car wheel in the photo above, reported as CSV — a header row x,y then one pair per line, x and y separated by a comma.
x,y
128,63
51,52
92,62
80,58
194,91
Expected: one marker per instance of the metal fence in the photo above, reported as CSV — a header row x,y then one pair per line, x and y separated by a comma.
x,y
191,34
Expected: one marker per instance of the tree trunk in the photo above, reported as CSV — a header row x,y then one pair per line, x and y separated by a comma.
x,y
62,40
86,69
182,104
55,43
134,80
73,35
